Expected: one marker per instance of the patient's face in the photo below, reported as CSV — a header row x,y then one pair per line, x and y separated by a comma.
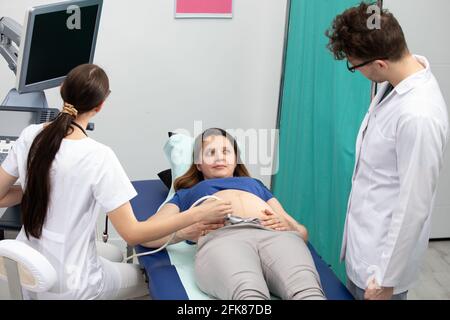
x,y
218,159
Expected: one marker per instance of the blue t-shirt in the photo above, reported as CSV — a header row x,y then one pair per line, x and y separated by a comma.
x,y
185,198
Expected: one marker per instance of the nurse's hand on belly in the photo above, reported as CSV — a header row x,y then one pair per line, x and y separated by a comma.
x,y
195,231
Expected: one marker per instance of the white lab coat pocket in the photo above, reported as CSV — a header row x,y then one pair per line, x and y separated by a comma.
x,y
380,151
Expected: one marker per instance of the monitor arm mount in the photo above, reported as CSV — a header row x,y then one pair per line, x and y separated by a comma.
x,y
10,33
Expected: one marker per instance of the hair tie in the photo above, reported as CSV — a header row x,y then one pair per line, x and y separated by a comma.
x,y
70,110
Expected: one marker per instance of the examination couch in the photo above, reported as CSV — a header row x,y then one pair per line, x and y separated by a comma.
x,y
170,272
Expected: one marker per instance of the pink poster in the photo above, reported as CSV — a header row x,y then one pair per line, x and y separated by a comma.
x,y
204,8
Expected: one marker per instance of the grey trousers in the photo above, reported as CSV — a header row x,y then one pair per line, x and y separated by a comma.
x,y
247,262
358,293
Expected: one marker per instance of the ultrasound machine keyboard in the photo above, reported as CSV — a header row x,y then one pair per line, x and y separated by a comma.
x,y
5,146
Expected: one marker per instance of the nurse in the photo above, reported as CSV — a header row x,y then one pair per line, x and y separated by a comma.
x,y
399,155
66,181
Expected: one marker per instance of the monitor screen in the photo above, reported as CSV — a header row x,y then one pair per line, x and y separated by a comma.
x,y
55,49
13,122
57,38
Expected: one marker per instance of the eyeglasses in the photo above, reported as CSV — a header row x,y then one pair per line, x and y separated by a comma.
x,y
353,68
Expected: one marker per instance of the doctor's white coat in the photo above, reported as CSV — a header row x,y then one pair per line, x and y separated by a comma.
x,y
399,154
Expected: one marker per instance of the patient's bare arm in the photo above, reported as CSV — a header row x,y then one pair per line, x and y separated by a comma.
x,y
293,224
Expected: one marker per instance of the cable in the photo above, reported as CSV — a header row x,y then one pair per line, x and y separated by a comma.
x,y
105,235
196,203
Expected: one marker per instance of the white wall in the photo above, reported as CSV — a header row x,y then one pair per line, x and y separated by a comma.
x,y
427,30
167,73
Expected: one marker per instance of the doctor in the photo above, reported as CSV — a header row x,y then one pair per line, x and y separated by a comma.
x,y
399,155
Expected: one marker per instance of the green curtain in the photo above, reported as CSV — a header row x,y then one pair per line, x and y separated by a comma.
x,y
322,107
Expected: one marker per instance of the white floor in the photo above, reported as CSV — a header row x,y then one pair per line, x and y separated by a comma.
x,y
434,281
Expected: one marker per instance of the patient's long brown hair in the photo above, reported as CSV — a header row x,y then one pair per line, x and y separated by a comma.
x,y
193,175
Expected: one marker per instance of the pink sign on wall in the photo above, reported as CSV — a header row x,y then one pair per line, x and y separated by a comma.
x,y
204,8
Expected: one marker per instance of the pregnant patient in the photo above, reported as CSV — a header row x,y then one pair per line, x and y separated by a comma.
x,y
260,250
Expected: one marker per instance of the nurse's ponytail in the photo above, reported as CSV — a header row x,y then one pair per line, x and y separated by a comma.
x,y
85,88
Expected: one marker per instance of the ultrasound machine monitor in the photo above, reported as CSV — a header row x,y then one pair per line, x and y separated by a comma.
x,y
55,41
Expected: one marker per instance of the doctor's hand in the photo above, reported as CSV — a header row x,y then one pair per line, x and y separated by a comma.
x,y
375,292
212,211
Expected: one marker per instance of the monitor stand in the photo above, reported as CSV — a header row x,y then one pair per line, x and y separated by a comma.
x,y
31,100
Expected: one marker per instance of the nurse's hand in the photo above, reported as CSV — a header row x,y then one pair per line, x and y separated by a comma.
x,y
212,211
195,231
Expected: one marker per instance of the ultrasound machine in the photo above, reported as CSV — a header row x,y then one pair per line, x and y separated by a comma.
x,y
41,53
14,119
53,40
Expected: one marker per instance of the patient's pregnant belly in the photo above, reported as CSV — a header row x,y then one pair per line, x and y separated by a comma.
x,y
245,204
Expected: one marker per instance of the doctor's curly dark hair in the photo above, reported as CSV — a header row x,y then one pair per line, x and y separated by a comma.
x,y
351,36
